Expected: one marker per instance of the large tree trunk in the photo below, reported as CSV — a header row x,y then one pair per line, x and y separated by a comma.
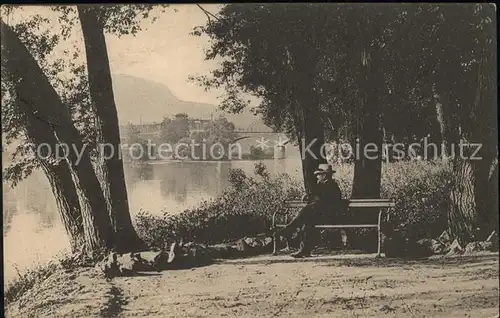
x,y
110,165
367,173
309,128
486,195
312,135
485,132
440,116
368,164
493,198
474,211
461,216
38,97
448,129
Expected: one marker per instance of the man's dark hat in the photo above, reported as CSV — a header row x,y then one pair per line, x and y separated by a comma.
x,y
324,168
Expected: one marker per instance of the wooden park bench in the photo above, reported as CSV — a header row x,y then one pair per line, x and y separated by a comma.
x,y
376,204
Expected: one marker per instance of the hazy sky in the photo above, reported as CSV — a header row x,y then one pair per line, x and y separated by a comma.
x,y
163,52
166,53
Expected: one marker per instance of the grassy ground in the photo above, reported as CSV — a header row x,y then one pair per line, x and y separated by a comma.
x,y
266,286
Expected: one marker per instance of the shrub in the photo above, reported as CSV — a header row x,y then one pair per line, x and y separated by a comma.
x,y
421,190
422,193
25,281
245,209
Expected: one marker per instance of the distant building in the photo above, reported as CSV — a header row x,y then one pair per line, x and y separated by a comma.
x,y
151,130
197,123
149,127
155,127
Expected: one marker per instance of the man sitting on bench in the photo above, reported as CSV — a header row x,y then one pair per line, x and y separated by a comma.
x,y
326,200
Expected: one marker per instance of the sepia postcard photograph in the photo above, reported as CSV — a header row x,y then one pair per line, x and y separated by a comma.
x,y
250,160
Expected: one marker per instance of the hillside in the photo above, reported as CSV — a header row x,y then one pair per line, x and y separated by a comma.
x,y
140,100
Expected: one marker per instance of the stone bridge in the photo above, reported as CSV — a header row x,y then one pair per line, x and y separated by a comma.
x,y
269,141
246,139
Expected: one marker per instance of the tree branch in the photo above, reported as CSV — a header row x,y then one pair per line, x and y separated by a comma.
x,y
208,14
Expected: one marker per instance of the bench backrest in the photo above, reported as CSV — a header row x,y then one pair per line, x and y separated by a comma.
x,y
352,203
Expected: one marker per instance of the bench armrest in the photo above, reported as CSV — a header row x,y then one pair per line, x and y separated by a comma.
x,y
283,211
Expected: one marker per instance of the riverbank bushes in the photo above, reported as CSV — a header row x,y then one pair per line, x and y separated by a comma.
x,y
420,189
245,209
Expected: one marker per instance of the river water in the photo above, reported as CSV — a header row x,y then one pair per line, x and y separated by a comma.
x,y
33,232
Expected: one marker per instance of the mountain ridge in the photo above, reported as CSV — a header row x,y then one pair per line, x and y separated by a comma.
x,y
139,100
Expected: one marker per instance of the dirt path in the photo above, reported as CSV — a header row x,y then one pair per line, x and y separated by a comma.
x,y
348,286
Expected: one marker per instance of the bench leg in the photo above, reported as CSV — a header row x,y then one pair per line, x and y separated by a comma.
x,y
379,233
275,236
275,243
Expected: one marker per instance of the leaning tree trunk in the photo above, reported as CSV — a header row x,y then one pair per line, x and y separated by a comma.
x,y
67,200
110,165
38,97
60,180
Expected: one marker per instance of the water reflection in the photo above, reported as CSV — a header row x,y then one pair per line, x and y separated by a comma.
x,y
181,185
33,232
170,186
